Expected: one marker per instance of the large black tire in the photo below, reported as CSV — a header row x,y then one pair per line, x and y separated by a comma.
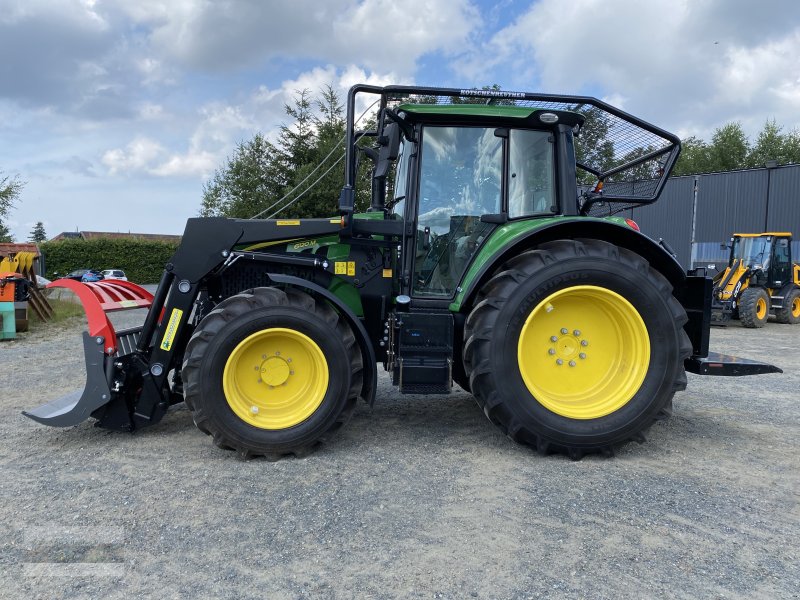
x,y
247,316
790,313
754,306
510,304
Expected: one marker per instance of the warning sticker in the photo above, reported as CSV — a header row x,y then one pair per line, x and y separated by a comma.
x,y
387,272
340,268
172,328
351,268
291,222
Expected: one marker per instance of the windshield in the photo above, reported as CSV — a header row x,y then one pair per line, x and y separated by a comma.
x,y
753,251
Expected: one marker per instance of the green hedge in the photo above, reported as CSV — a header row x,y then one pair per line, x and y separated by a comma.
x,y
142,261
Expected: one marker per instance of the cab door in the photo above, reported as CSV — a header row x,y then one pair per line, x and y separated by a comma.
x,y
460,180
781,269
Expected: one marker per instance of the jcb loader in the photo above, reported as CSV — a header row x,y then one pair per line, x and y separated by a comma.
x,y
760,279
484,259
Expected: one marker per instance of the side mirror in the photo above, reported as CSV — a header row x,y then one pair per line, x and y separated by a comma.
x,y
389,149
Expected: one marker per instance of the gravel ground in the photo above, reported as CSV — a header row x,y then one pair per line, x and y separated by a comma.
x,y
416,498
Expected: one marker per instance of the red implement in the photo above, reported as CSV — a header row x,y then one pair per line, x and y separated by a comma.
x,y
101,297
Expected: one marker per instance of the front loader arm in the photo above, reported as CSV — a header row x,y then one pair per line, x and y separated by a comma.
x,y
127,379
126,371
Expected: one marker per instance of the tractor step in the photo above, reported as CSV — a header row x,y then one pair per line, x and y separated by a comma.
x,y
727,366
425,375
425,362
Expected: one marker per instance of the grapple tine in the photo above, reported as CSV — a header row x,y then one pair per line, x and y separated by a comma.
x,y
78,406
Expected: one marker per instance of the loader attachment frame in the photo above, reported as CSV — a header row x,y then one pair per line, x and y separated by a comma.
x,y
102,346
101,297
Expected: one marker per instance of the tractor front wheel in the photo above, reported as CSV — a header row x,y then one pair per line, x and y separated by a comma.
x,y
790,313
754,307
271,372
576,347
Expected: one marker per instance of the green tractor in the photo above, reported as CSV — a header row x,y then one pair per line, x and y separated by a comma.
x,y
490,257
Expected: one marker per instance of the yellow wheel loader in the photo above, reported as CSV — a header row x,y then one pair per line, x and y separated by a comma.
x,y
760,280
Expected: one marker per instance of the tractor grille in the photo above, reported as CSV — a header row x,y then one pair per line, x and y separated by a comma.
x,y
127,340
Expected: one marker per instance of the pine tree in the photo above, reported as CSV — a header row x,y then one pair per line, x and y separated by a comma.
x,y
5,235
300,175
38,234
10,188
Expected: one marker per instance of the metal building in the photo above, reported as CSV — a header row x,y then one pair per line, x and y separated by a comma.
x,y
697,214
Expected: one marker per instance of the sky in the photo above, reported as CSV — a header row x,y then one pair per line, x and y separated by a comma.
x,y
114,113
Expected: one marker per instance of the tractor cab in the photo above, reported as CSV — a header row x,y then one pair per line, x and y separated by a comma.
x,y
459,176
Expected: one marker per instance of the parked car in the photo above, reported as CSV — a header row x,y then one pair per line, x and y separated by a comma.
x,y
92,275
114,274
77,274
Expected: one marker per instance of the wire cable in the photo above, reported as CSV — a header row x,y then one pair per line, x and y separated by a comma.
x,y
314,170
309,188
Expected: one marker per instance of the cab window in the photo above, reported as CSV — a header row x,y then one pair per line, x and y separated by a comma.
x,y
460,180
531,174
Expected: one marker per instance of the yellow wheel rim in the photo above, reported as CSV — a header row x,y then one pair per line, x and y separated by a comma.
x,y
761,308
796,307
275,378
584,352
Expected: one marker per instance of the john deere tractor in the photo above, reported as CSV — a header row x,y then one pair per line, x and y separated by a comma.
x,y
491,256
760,280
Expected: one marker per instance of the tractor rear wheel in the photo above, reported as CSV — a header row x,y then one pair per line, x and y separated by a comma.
x,y
576,347
790,313
754,307
271,372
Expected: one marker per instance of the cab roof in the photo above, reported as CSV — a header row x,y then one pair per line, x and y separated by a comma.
x,y
502,113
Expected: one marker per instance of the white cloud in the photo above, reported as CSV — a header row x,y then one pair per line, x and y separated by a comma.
x,y
149,111
402,32
144,156
769,69
200,163
137,156
379,34
697,65
215,131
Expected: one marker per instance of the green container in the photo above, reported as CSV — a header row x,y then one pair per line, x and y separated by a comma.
x,y
9,328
